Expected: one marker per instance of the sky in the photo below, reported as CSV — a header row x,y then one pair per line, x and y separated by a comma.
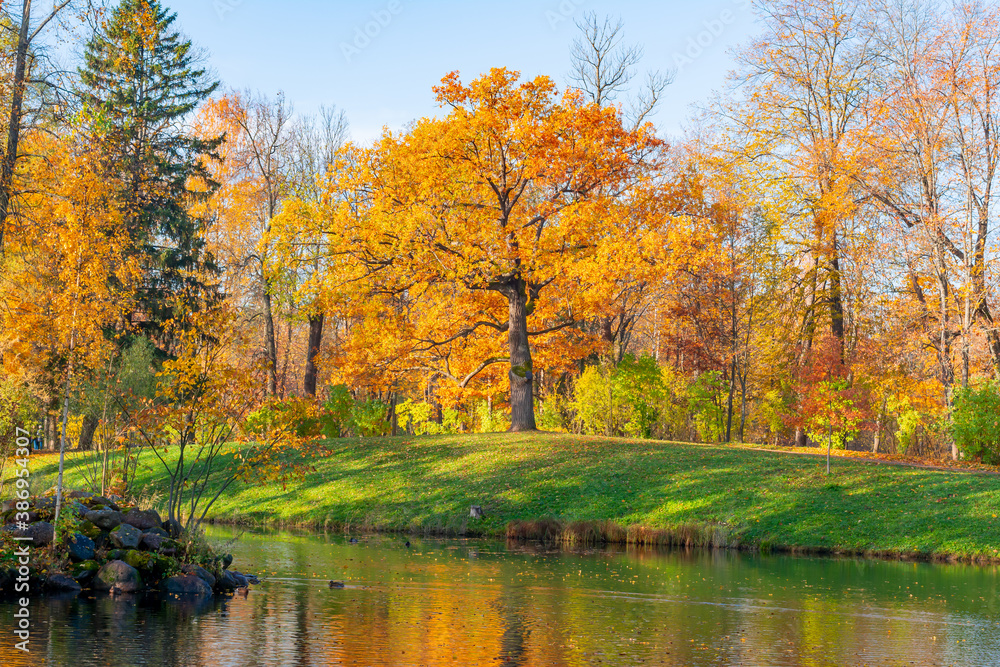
x,y
378,60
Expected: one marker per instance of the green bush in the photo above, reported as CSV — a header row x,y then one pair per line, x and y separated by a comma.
x,y
593,401
417,417
489,420
706,396
908,422
640,384
674,409
624,399
335,419
368,418
975,422
775,406
550,414
17,408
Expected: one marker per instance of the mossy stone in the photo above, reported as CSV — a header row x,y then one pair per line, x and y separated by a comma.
x,y
118,575
153,566
89,529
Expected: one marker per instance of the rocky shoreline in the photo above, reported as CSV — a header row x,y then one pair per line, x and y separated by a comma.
x,y
108,547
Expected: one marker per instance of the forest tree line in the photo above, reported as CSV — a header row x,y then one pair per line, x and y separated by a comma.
x,y
813,261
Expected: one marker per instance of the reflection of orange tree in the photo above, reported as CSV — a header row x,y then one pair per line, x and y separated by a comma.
x,y
207,426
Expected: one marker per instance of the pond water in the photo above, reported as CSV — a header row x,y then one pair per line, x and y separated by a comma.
x,y
471,602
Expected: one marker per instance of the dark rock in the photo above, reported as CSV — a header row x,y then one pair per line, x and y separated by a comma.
x,y
200,572
81,547
78,508
126,536
45,515
85,571
336,584
103,540
41,533
89,529
227,560
79,494
241,581
44,502
142,519
8,506
156,531
116,554
61,582
227,582
173,528
151,542
169,547
118,574
186,584
105,519
96,501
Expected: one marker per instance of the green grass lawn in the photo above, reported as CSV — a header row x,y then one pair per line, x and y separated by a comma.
x,y
763,499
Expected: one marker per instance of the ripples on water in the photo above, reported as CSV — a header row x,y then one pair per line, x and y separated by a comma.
x,y
448,602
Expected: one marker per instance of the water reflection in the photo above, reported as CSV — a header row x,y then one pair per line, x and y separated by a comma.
x,y
482,603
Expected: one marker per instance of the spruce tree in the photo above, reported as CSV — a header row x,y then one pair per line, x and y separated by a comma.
x,y
139,81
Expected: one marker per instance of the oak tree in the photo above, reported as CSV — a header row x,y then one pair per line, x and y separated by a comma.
x,y
505,217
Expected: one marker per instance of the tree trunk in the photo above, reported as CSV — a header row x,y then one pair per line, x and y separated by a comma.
x,y
993,339
315,340
271,346
611,405
743,406
9,158
836,298
829,445
51,428
876,443
992,331
62,451
287,356
947,368
87,432
807,332
522,409
729,399
393,416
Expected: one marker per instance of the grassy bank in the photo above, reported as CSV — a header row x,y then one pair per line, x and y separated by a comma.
x,y
579,488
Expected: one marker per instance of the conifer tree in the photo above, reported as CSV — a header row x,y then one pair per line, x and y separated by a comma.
x,y
139,81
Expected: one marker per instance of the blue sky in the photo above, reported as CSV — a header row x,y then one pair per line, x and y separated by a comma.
x,y
311,49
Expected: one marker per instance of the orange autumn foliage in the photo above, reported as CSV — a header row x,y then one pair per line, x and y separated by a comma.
x,y
454,243
68,274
